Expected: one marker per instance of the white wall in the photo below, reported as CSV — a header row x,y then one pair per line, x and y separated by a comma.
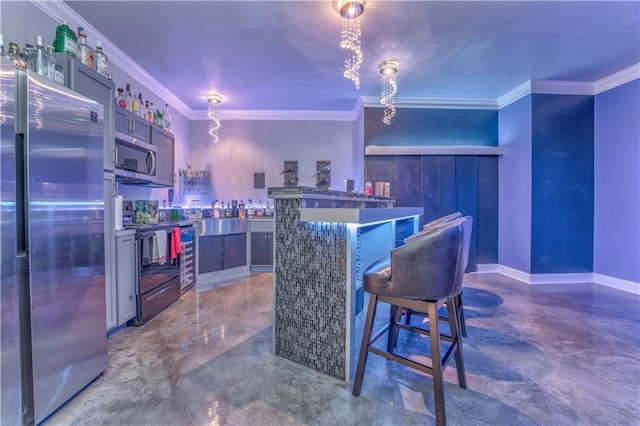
x,y
248,146
616,238
514,185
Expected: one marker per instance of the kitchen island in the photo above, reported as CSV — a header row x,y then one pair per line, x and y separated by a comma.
x,y
324,240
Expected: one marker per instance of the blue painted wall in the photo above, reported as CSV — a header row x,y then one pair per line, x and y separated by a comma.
x,y
514,230
617,183
562,186
432,127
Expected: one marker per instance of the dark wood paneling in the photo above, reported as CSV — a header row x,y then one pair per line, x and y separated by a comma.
x,y
487,220
409,192
448,187
447,184
430,188
382,168
467,198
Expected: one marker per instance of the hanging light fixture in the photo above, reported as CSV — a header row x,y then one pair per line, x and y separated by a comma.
x,y
388,70
351,10
214,99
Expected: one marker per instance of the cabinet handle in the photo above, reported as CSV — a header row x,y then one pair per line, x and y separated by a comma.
x,y
133,123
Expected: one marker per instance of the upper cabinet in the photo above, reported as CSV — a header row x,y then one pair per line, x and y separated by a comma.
x,y
89,83
164,142
133,125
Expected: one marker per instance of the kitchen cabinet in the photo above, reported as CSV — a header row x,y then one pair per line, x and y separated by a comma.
x,y
235,250
126,276
261,232
131,124
210,253
89,83
261,249
109,190
165,144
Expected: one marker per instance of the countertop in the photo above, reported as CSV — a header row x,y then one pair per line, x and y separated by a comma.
x,y
161,225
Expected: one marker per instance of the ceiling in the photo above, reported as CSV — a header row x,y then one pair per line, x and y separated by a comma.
x,y
285,55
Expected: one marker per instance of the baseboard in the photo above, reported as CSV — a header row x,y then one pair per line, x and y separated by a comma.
x,y
620,284
589,277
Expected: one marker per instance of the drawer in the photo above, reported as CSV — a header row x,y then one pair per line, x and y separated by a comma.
x,y
261,225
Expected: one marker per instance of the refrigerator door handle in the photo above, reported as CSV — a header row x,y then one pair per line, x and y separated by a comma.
x,y
22,209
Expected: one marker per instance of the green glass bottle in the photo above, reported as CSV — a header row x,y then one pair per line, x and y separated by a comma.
x,y
66,40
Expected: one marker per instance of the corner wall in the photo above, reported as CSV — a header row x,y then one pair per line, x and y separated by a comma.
x,y
617,183
562,184
514,186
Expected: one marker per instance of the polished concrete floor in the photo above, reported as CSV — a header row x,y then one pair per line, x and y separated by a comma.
x,y
535,355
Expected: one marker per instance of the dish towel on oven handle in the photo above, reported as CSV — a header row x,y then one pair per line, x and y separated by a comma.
x,y
176,244
159,247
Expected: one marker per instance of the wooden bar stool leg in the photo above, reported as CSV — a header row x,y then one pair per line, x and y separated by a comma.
x,y
392,335
454,325
461,320
436,361
364,348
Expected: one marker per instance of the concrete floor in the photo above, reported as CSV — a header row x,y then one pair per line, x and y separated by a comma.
x,y
546,354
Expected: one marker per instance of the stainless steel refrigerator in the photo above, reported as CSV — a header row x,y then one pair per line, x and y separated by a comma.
x,y
53,330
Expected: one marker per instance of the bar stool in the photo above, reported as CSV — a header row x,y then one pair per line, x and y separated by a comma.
x,y
423,275
430,227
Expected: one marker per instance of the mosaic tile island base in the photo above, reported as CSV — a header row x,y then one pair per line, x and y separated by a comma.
x,y
323,242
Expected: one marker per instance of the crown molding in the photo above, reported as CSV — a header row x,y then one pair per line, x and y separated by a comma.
x,y
292,115
514,94
559,87
617,79
357,109
59,10
453,103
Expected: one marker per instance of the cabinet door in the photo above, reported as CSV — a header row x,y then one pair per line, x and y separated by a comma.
x,y
94,86
235,250
126,277
210,252
130,124
259,255
164,141
109,190
121,120
262,248
269,249
140,128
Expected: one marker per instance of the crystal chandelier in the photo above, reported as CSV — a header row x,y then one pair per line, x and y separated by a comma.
x,y
351,10
388,70
214,99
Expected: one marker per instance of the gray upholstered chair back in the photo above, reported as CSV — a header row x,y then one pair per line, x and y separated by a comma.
x,y
430,267
443,219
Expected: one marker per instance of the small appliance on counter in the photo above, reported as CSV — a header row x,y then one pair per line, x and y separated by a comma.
x,y
146,212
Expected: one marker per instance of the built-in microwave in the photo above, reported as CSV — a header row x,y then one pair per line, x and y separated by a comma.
x,y
135,160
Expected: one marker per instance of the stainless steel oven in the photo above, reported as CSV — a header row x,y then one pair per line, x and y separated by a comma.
x,y
158,273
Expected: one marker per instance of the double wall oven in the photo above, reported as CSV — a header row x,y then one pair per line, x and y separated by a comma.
x,y
162,277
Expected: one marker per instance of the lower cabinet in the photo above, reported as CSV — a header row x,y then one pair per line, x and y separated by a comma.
x,y
109,190
219,252
126,277
261,244
262,249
